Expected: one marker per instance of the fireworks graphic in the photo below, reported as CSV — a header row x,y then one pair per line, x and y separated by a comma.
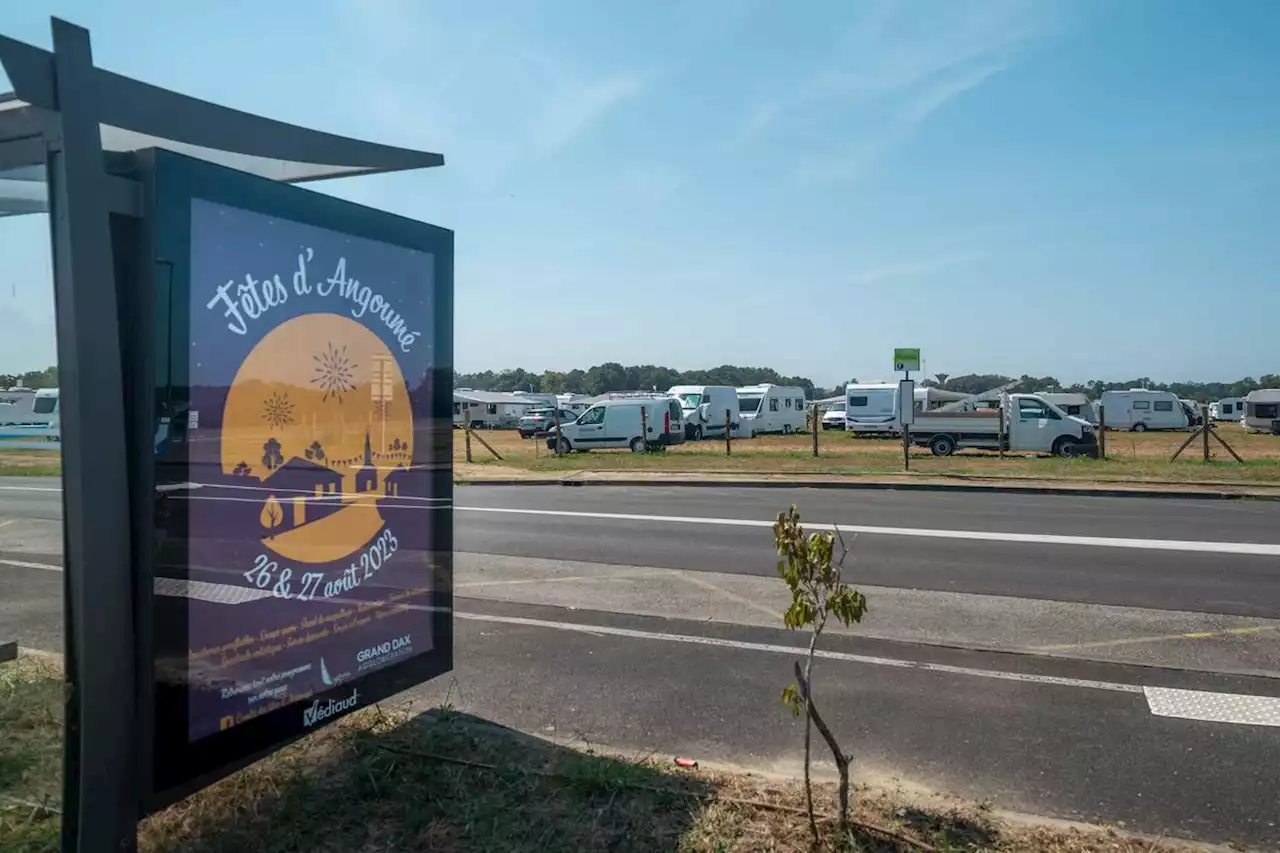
x,y
277,410
382,409
334,372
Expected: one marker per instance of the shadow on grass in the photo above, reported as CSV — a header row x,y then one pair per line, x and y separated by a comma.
x,y
443,782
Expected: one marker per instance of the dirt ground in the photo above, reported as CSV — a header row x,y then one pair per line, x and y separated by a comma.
x,y
1130,457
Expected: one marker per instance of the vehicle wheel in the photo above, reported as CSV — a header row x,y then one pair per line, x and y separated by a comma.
x,y
697,433
1139,427
942,445
565,446
1065,447
638,445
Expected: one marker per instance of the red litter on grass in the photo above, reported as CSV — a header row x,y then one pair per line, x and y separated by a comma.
x,y
686,762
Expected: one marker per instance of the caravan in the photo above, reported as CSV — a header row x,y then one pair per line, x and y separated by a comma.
x,y
871,409
1262,411
1227,409
770,408
1140,409
704,408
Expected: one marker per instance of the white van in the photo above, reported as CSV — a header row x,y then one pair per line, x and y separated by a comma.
x,y
45,408
1140,409
1227,409
1262,410
619,423
703,408
769,408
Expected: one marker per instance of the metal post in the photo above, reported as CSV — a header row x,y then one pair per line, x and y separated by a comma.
x,y
1204,428
815,430
906,447
100,796
728,428
1102,431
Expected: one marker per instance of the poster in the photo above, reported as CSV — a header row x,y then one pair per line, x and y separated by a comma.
x,y
308,547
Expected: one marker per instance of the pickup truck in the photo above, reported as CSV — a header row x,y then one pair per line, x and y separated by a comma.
x,y
1031,425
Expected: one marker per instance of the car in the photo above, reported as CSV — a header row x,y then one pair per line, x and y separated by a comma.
x,y
540,421
833,418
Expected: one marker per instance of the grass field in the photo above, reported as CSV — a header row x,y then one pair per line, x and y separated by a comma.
x,y
452,783
1130,457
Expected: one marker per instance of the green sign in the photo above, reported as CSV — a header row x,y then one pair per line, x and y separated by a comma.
x,y
906,359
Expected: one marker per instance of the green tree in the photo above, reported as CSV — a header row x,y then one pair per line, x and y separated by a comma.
x,y
818,593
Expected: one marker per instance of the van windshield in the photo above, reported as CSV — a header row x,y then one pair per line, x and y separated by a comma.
x,y
748,405
44,405
690,401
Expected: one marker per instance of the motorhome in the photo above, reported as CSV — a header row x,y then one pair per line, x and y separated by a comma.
x,y
1030,424
1141,409
638,423
770,408
1227,409
704,408
1262,411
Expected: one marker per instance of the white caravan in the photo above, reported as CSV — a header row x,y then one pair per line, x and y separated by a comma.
x,y
1076,405
771,408
871,408
704,408
640,423
1140,409
1227,409
1262,411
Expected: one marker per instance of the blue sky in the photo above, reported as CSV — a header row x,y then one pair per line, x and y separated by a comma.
x,y
1088,189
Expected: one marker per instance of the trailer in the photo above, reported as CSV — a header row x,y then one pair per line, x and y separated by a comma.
x,y
770,408
1141,409
1227,409
1262,411
1024,423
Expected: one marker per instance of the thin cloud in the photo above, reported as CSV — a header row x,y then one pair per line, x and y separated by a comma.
x,y
914,269
574,111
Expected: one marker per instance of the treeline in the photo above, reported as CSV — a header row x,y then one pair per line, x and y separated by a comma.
x,y
611,376
1204,392
47,378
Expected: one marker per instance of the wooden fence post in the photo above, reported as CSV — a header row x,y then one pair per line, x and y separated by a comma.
x,y
1000,428
555,419
466,427
1204,427
1102,431
815,430
728,429
644,426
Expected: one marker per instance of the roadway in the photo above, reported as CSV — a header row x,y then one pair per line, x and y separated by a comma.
x,y
1055,654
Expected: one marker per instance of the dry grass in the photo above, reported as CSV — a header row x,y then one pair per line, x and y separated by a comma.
x,y
1131,457
450,783
34,463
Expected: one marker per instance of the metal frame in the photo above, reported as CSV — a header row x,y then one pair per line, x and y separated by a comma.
x,y
59,114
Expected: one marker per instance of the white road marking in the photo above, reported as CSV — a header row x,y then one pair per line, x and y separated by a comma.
x,y
27,489
1252,548
20,564
1213,707
800,651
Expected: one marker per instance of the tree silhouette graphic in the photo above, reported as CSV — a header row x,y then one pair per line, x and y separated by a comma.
x,y
242,470
277,410
272,514
271,456
315,451
334,372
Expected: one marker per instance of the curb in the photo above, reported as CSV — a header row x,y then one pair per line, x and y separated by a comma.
x,y
904,487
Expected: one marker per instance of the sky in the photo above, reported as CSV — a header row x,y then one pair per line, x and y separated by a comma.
x,y
1082,189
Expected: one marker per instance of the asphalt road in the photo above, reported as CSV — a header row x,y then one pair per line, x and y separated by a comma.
x,y
627,660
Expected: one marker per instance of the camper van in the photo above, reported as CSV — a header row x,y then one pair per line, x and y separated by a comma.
x,y
1262,411
1227,409
619,423
771,408
704,407
1140,409
45,408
